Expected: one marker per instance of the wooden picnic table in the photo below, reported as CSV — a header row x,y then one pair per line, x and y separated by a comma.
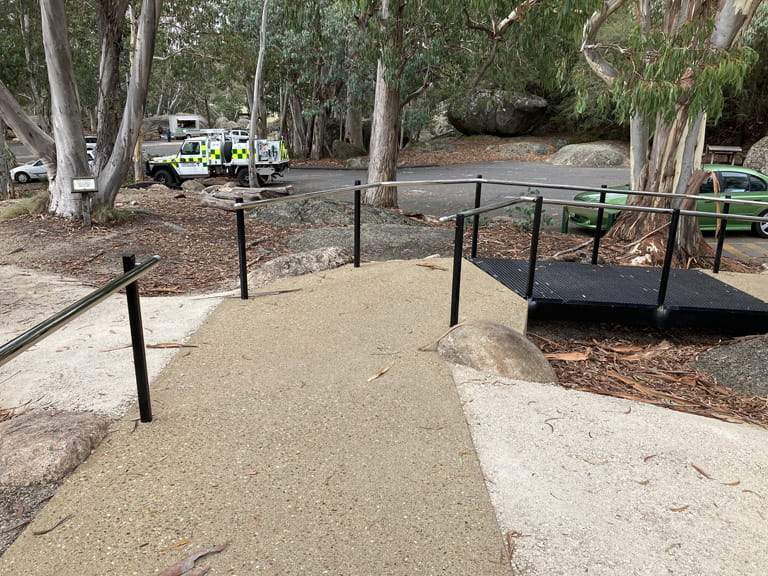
x,y
729,152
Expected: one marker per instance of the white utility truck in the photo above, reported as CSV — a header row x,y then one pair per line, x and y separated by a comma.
x,y
218,154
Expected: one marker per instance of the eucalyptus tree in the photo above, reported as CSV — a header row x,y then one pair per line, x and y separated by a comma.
x,y
410,37
666,76
23,70
201,62
305,67
64,152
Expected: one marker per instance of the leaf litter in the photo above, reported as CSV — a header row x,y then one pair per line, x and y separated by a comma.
x,y
658,373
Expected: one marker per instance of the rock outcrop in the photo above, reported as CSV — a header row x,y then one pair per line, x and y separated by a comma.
x,y
497,112
757,157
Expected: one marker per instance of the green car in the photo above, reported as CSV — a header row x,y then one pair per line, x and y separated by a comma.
x,y
735,181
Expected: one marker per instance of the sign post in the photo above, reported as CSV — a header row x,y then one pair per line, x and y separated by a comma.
x,y
85,186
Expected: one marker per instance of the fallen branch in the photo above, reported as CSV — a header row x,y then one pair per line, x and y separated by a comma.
x,y
52,528
431,345
188,563
651,233
569,250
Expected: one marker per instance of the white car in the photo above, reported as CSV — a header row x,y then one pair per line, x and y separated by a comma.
x,y
35,170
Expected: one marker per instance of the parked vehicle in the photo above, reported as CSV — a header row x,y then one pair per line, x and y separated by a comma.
x,y
735,181
36,170
218,154
90,142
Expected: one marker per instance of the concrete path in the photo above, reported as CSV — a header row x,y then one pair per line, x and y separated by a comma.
x,y
274,434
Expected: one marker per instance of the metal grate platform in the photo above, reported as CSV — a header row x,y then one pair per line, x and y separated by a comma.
x,y
629,294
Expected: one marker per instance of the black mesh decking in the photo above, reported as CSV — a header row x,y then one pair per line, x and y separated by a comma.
x,y
629,294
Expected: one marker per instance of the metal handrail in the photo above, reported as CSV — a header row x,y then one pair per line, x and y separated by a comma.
x,y
675,214
521,184
13,348
240,205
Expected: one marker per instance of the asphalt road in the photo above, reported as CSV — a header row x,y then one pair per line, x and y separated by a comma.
x,y
442,200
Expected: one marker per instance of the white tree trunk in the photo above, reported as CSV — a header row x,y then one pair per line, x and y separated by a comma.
x,y
670,161
65,112
258,123
113,173
383,150
382,165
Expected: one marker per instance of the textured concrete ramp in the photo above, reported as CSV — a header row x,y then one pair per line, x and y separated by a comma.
x,y
272,434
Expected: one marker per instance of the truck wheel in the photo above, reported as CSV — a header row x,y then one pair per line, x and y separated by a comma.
x,y
243,180
164,177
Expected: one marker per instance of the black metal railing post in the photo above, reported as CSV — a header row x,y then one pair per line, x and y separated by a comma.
x,y
539,203
242,259
356,243
720,236
671,240
137,342
458,250
598,227
476,217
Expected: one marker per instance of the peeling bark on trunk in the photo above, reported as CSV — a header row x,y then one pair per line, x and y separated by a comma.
x,y
110,17
318,135
295,128
258,123
383,152
113,173
353,124
669,162
382,166
5,164
65,112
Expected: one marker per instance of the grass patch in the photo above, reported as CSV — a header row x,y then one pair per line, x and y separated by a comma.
x,y
103,214
35,204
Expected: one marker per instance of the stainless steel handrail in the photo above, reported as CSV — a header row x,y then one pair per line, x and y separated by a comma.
x,y
521,184
13,348
631,208
10,350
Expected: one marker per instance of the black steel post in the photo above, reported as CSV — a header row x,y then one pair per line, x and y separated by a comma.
x,y
599,228
668,256
721,237
476,217
534,246
241,252
356,244
458,250
137,340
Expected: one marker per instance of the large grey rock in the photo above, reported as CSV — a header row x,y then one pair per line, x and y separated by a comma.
x,y
739,365
344,150
224,123
317,212
757,157
299,264
496,112
492,348
193,186
43,447
592,155
438,126
524,148
380,241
